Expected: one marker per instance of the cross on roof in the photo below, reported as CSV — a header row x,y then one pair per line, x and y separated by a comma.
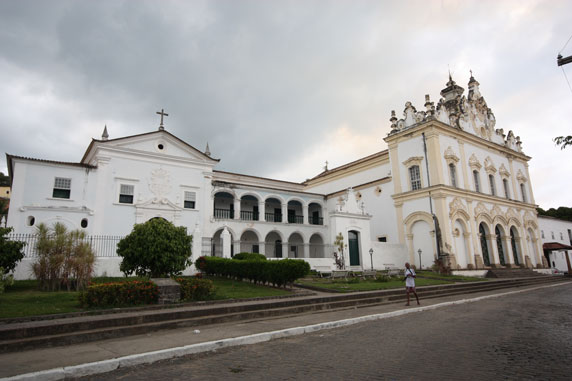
x,y
162,113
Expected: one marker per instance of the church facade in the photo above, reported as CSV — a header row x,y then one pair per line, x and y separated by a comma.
x,y
449,185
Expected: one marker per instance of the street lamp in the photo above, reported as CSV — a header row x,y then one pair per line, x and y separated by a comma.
x,y
419,252
371,257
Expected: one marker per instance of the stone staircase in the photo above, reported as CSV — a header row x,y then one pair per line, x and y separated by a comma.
x,y
50,331
512,273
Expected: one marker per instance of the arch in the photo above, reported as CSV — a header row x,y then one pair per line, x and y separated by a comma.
x,y
300,234
515,245
273,209
216,242
273,243
417,216
484,233
316,201
251,230
249,241
501,247
315,213
275,196
249,207
499,219
257,196
295,209
462,215
223,204
223,190
295,245
460,235
296,198
317,249
514,221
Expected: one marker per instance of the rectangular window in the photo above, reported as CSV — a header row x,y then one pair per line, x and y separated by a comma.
x,y
453,172
382,239
505,185
415,177
552,233
476,178
190,198
492,185
542,233
561,236
62,188
126,194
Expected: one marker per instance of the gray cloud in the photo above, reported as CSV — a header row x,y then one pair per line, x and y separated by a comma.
x,y
266,83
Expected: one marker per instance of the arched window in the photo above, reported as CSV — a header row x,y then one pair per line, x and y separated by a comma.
x,y
523,191
499,245
484,245
506,189
492,185
476,179
453,173
415,177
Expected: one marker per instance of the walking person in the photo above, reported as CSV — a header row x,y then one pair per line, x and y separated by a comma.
x,y
410,282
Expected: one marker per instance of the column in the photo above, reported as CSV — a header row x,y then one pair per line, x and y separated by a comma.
x,y
237,209
306,253
494,252
507,250
197,242
305,214
261,211
411,250
285,251
469,247
262,248
226,243
284,213
237,247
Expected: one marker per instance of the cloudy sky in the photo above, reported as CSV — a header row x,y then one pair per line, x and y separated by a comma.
x,y
279,87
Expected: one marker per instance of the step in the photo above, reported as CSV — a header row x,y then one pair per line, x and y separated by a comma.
x,y
64,333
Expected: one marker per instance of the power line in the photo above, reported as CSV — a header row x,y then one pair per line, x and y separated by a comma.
x,y
567,81
570,38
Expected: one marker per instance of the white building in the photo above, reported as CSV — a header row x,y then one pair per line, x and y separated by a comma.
x,y
471,177
556,236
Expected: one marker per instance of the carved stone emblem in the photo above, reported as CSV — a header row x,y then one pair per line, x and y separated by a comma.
x,y
160,184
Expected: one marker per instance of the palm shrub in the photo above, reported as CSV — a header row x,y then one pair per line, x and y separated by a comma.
x,y
156,248
64,258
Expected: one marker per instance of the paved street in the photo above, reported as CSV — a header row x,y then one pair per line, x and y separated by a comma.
x,y
522,336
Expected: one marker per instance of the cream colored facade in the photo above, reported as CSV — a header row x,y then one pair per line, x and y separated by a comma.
x,y
449,162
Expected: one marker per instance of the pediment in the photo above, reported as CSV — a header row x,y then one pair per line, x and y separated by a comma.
x,y
157,143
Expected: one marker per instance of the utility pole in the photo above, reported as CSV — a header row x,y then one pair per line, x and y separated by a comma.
x,y
563,60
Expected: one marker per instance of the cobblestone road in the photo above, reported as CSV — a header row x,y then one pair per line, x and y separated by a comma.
x,y
522,336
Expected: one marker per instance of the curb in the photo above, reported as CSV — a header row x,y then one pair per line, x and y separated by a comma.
x,y
104,366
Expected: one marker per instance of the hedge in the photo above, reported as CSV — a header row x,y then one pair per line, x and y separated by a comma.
x,y
278,273
120,294
196,288
249,256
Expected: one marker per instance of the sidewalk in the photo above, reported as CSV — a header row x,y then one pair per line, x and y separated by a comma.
x,y
213,336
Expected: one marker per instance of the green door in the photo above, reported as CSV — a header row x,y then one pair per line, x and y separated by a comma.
x,y
354,248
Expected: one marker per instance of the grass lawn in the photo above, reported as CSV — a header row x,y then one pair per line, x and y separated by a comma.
x,y
365,285
24,299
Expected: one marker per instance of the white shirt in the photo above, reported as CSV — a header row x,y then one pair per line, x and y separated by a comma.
x,y
409,280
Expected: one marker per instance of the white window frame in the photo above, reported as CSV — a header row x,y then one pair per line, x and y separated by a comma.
x,y
414,178
121,193
192,198
62,184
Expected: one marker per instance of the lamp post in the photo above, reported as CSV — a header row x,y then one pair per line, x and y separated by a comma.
x,y
419,252
371,257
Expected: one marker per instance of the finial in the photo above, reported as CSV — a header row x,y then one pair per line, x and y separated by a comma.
x,y
207,150
326,166
105,135
162,113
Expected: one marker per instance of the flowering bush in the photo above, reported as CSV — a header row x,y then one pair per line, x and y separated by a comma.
x,y
196,288
120,294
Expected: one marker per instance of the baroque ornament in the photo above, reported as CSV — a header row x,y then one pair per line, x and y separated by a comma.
x,y
159,184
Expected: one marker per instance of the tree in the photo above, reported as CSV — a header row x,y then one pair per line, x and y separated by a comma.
x,y
562,213
10,251
563,141
4,180
339,256
156,248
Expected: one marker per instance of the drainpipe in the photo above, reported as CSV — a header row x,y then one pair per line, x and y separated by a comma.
x,y
435,222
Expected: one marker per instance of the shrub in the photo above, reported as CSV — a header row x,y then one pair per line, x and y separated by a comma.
x,y
120,294
277,273
10,251
5,280
156,248
249,256
382,278
196,288
64,258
